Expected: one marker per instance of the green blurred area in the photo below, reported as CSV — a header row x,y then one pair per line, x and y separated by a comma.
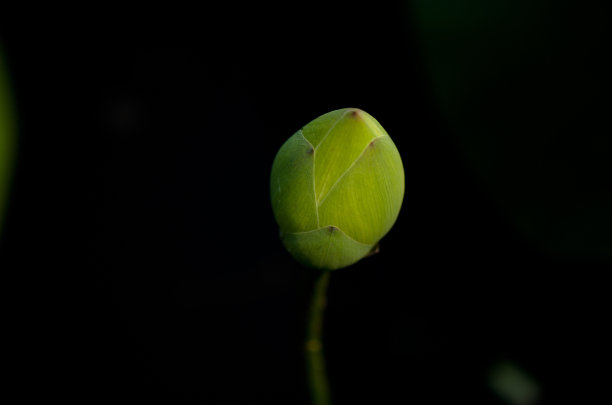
x,y
514,385
7,136
522,86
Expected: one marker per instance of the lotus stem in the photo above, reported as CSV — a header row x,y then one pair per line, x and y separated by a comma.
x,y
315,359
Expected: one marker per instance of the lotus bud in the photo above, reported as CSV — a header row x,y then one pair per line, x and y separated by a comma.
x,y
336,186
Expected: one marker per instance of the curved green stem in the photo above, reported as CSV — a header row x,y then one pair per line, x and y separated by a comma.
x,y
315,359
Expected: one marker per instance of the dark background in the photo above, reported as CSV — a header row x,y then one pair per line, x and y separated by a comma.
x,y
141,261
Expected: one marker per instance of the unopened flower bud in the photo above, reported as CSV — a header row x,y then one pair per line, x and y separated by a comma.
x,y
336,186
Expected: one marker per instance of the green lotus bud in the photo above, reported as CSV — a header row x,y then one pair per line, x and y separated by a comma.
x,y
337,186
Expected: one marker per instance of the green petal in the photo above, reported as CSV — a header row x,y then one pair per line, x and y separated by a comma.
x,y
366,199
325,248
292,186
339,149
373,124
318,128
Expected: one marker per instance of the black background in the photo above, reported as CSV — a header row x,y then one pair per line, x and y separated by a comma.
x,y
141,261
